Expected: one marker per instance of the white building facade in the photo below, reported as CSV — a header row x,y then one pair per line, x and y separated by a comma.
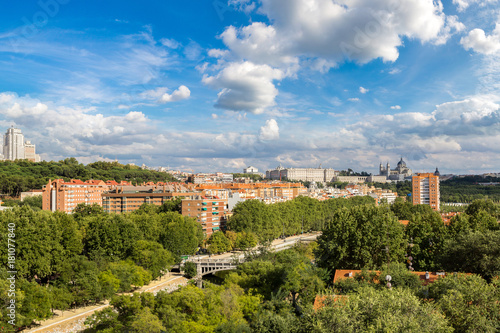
x,y
13,144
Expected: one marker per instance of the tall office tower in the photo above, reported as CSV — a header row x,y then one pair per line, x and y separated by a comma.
x,y
29,152
426,189
13,144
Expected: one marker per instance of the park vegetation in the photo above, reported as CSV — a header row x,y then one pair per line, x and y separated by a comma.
x,y
79,259
279,292
22,175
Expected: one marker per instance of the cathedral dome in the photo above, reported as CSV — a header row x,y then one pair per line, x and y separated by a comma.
x,y
401,163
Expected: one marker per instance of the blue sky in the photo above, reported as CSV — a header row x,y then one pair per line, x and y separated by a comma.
x,y
220,85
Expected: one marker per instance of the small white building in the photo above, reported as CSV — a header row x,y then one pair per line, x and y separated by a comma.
x,y
251,169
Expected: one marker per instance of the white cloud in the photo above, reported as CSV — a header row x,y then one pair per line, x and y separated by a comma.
x,y
270,131
170,43
356,30
245,86
480,42
355,99
181,93
395,71
396,107
363,90
153,93
193,51
359,30
462,5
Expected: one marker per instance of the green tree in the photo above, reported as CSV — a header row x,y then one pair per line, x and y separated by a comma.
x,y
35,202
468,301
146,322
246,240
219,243
179,234
475,252
173,205
364,236
109,283
189,269
384,310
428,234
152,256
486,205
129,275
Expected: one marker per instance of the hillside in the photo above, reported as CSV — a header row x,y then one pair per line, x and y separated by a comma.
x,y
19,176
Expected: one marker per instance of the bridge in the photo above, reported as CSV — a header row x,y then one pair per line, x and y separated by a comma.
x,y
228,261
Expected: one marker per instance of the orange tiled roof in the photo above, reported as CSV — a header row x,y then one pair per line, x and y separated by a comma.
x,y
319,301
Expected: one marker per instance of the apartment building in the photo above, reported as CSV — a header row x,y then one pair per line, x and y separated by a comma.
x,y
125,199
211,213
65,196
425,190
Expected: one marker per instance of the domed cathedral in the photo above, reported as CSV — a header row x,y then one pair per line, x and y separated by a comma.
x,y
400,173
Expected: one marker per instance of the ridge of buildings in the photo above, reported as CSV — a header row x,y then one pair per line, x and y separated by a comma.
x,y
322,175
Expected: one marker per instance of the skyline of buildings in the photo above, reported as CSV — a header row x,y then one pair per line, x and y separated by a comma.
x,y
16,148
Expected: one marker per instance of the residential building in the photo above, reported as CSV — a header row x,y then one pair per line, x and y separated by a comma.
x,y
13,144
211,213
127,198
65,196
425,188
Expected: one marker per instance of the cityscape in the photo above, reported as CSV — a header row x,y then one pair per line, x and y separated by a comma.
x,y
287,166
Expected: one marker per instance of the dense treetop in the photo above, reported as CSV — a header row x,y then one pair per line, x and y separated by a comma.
x,y
22,175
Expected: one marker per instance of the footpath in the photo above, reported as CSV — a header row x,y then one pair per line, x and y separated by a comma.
x,y
74,320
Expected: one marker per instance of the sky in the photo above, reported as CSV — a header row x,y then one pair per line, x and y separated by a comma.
x,y
218,85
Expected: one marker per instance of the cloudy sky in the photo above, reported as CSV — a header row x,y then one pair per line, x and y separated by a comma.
x,y
209,85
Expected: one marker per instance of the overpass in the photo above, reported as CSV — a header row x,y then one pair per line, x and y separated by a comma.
x,y
228,261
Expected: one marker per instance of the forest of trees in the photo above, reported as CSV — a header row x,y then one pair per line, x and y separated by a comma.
x,y
64,261
71,260
22,175
457,189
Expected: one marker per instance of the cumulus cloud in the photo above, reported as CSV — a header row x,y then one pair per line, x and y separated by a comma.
x,y
478,41
363,90
270,131
396,107
179,94
245,86
360,30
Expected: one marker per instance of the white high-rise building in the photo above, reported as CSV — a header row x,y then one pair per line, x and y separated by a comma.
x,y
13,144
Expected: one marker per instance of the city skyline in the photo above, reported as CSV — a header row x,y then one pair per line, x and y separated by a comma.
x,y
221,85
